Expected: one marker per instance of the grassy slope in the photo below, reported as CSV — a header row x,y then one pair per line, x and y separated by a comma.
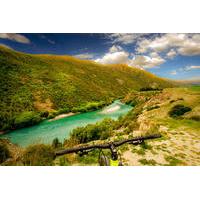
x,y
49,83
180,143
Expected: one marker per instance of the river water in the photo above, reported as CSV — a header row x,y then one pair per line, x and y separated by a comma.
x,y
46,131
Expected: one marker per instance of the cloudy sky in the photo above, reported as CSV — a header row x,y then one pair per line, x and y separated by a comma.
x,y
175,56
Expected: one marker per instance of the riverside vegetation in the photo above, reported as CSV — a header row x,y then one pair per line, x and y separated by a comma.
x,y
41,86
179,144
35,87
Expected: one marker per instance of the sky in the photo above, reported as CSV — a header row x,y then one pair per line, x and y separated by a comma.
x,y
171,55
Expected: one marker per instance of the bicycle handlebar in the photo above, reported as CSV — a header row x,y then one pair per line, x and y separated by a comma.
x,y
76,149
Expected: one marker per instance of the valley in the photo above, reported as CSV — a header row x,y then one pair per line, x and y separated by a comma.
x,y
49,103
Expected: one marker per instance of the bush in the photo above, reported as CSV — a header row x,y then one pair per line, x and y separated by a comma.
x,y
4,153
38,155
173,161
148,162
56,143
61,111
153,107
90,106
144,145
149,89
172,101
44,114
52,114
101,130
179,110
27,118
195,117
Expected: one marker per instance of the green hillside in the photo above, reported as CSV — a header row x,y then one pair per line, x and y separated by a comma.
x,y
36,86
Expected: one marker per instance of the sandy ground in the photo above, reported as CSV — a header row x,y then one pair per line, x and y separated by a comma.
x,y
182,146
62,116
113,109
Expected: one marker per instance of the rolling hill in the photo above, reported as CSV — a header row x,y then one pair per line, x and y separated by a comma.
x,y
34,84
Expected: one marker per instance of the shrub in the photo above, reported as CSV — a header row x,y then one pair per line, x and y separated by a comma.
x,y
38,155
172,101
144,145
154,129
56,143
195,117
44,114
27,118
4,153
63,161
153,107
179,110
173,161
52,115
90,158
61,111
90,106
148,162
180,99
149,89
101,130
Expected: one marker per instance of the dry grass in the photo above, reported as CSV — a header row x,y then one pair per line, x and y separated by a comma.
x,y
180,144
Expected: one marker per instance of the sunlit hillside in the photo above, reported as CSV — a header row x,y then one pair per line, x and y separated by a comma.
x,y
30,84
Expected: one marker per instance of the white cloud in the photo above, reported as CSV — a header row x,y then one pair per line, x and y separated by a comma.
x,y
147,61
171,54
120,57
173,72
84,56
124,38
115,48
184,44
190,49
15,37
116,55
191,67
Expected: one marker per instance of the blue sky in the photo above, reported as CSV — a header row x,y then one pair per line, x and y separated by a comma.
x,y
174,56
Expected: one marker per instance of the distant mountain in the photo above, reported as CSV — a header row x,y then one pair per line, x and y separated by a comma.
x,y
35,83
190,82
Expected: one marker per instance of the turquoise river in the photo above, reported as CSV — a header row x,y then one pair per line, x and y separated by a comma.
x,y
46,131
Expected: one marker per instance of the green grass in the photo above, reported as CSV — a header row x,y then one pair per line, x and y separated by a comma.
x,y
150,162
145,146
89,159
142,148
195,88
173,161
187,124
38,83
140,151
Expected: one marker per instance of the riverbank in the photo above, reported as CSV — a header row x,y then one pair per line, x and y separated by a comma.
x,y
110,110
62,116
61,126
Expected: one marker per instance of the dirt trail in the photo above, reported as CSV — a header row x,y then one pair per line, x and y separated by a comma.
x,y
178,148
